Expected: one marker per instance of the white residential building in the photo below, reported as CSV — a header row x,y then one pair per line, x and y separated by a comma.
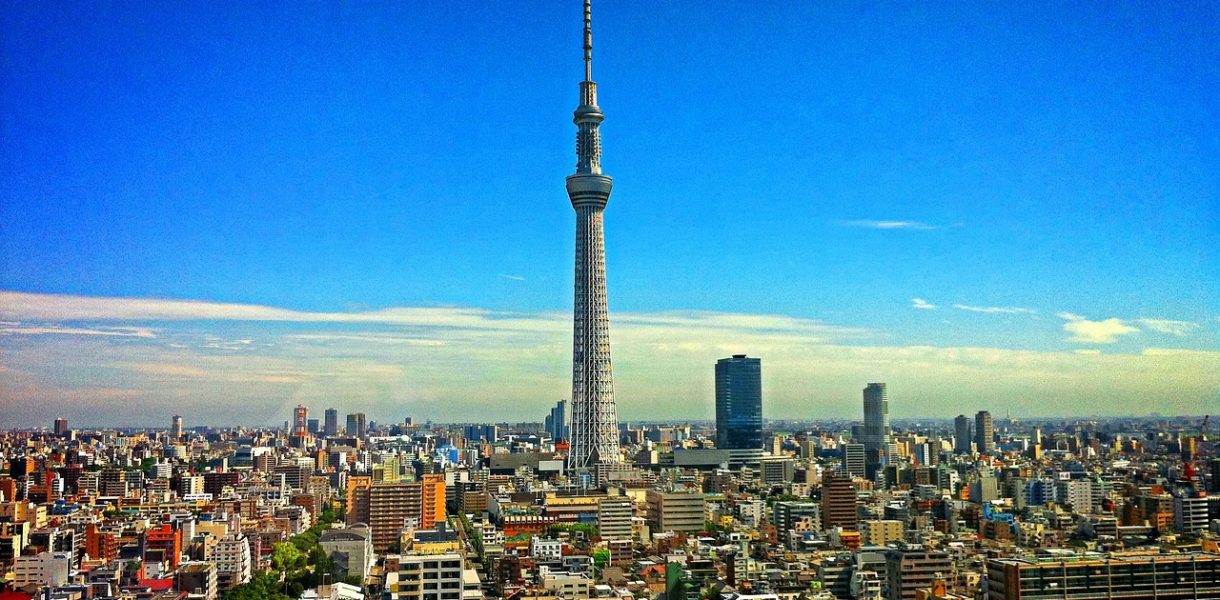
x,y
47,569
231,555
428,577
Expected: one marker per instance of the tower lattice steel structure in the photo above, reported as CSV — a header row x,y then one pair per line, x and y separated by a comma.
x,y
594,427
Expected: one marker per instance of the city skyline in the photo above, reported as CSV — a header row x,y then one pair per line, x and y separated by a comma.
x,y
1013,252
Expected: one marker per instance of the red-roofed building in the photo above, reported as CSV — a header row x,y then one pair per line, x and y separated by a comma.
x,y
157,585
163,544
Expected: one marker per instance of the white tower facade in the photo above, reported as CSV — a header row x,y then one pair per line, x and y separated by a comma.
x,y
594,427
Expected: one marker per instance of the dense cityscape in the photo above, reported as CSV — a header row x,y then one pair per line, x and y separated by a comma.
x,y
579,504
342,507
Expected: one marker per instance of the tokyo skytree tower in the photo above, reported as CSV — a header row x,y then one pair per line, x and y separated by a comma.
x,y
594,427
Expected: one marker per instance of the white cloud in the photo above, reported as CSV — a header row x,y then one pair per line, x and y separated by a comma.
x,y
1185,352
511,277
875,224
20,306
19,329
52,307
996,310
466,363
922,304
1085,331
1178,328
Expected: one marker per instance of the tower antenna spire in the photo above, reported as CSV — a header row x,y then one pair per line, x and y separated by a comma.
x,y
588,40
594,427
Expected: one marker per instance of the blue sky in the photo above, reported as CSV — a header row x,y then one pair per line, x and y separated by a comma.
x,y
1055,167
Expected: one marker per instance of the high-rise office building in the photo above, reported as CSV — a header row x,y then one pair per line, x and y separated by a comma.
x,y
853,460
175,428
876,434
61,426
556,422
984,432
594,424
739,408
356,425
962,435
330,425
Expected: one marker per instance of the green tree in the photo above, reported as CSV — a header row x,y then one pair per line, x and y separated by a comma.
x,y
263,586
601,557
285,556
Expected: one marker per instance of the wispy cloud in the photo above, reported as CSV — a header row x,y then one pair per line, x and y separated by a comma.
x,y
26,307
511,277
922,304
996,310
1178,328
21,307
19,329
1086,331
215,361
883,224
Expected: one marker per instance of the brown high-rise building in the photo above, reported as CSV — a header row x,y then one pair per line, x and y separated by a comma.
x,y
8,489
911,567
984,433
215,483
389,507
839,503
472,498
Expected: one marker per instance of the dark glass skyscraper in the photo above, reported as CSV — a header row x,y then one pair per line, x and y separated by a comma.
x,y
331,425
356,424
962,435
739,408
556,423
876,434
